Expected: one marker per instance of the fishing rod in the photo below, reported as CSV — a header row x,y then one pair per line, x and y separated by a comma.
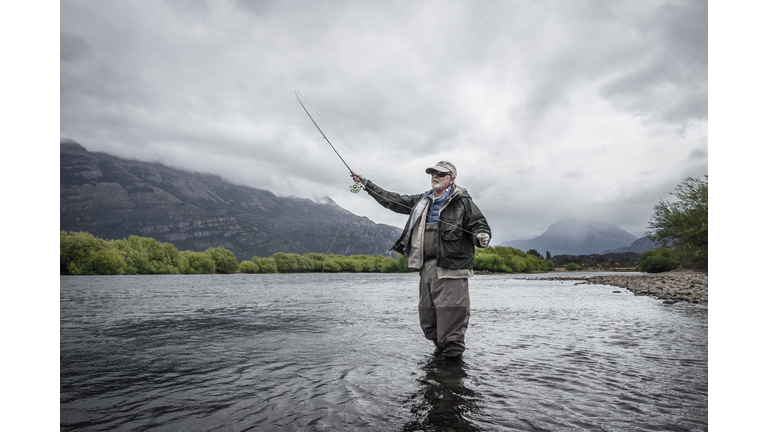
x,y
355,187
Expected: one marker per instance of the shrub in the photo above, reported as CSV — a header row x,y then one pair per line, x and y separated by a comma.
x,y
572,267
99,262
684,223
199,263
367,263
249,266
532,263
331,265
226,261
317,261
82,253
548,265
399,265
658,260
350,264
144,255
292,262
377,261
487,260
515,263
266,265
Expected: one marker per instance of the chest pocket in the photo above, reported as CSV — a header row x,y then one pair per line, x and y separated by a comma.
x,y
451,222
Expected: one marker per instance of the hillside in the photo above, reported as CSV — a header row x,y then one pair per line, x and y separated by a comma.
x,y
576,237
114,198
638,246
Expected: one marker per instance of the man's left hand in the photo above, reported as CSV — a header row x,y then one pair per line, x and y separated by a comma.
x,y
484,239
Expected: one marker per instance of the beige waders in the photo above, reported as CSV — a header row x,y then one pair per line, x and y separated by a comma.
x,y
443,303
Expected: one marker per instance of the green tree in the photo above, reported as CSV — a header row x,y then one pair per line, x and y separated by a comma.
x,y
105,261
144,255
658,260
317,261
535,253
226,261
249,266
487,260
367,262
287,262
347,264
399,265
199,263
572,267
266,265
76,250
81,253
683,224
532,263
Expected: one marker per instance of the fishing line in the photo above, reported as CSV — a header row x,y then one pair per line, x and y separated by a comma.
x,y
351,147
318,128
356,187
341,214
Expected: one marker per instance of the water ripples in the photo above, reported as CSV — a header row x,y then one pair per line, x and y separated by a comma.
x,y
344,352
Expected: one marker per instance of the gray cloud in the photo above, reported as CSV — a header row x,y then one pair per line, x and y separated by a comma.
x,y
549,109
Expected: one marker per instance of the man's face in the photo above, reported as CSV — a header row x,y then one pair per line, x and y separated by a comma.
x,y
440,184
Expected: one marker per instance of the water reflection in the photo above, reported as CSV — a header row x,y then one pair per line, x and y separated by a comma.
x,y
443,402
292,352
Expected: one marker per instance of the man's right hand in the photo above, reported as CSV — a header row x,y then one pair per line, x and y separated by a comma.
x,y
356,177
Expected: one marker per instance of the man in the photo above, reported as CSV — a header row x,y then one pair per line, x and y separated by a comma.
x,y
439,239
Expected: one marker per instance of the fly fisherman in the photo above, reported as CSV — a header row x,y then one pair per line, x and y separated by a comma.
x,y
439,239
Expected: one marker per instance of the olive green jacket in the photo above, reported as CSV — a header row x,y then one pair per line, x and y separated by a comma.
x,y
459,223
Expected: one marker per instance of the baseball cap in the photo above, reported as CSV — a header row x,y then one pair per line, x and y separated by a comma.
x,y
442,166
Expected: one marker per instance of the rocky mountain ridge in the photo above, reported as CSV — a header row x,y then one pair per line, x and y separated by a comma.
x,y
638,246
573,236
114,198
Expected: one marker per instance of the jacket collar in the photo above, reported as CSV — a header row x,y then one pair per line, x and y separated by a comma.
x,y
431,193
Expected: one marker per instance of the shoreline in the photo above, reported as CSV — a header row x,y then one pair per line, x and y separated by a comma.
x,y
678,285
672,287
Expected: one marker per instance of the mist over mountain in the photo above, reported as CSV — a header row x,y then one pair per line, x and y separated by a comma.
x,y
572,236
113,198
638,246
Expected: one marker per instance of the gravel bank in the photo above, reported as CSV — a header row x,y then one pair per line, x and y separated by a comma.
x,y
670,287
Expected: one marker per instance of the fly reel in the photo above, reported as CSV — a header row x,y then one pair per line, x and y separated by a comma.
x,y
355,187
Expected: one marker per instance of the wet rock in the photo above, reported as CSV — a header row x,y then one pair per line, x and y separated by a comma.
x,y
689,286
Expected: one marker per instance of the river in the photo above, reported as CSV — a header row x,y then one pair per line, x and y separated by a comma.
x,y
332,352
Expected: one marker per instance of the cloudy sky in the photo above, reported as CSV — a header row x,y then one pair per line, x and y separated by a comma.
x,y
549,109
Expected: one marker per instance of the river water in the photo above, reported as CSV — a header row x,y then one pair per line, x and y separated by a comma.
x,y
331,352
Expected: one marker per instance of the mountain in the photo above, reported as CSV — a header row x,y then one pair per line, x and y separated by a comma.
x,y
113,198
572,236
638,246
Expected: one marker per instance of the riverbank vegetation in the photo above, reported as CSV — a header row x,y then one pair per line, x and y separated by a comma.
x,y
599,262
680,227
81,253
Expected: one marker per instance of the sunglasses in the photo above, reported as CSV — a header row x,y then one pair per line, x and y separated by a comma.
x,y
440,174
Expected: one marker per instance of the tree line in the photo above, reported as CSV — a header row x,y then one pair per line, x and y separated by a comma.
x,y
681,227
82,253
598,261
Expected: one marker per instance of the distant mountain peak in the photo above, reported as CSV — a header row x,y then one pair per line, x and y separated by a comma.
x,y
574,236
114,198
